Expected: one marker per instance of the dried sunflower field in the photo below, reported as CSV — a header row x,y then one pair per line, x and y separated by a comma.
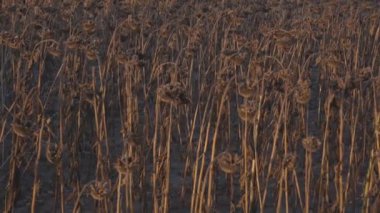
x,y
189,106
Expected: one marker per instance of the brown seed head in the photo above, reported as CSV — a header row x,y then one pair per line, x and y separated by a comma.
x,y
311,144
91,53
99,190
228,162
88,26
302,92
21,131
289,161
54,51
247,112
73,42
173,93
245,90
53,153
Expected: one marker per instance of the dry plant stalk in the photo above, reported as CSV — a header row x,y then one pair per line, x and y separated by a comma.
x,y
139,100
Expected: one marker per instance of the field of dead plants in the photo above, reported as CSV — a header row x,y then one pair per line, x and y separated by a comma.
x,y
189,106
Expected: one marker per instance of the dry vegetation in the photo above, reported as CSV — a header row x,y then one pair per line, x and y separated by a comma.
x,y
199,106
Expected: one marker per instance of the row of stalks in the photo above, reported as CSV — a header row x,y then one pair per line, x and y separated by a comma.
x,y
203,106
